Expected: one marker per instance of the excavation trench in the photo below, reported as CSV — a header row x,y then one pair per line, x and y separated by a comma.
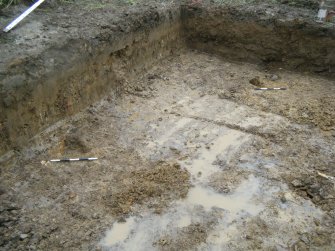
x,y
36,92
191,156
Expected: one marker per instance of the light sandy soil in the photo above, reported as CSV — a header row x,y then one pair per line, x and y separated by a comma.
x,y
192,158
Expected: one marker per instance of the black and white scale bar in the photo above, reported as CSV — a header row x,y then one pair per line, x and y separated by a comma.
x,y
69,160
270,89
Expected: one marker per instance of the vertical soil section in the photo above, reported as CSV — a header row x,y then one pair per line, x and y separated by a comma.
x,y
264,35
36,92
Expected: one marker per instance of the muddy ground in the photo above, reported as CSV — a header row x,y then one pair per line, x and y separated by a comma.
x,y
252,170
191,156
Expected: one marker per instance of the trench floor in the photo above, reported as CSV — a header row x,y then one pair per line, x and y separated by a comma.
x,y
191,157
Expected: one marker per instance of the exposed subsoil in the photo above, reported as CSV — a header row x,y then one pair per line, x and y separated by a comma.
x,y
191,156
175,129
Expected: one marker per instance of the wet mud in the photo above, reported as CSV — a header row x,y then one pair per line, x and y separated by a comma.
x,y
190,155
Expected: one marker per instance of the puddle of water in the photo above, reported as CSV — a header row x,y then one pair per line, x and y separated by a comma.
x,y
184,221
119,232
142,233
240,200
254,199
295,214
148,229
225,143
248,200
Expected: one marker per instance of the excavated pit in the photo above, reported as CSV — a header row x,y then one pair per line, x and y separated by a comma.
x,y
191,156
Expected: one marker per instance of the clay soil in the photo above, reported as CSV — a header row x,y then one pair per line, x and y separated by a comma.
x,y
191,156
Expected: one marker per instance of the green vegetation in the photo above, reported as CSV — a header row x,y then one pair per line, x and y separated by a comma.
x,y
96,4
6,3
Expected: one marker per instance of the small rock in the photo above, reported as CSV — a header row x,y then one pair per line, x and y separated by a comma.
x,y
283,199
95,216
248,237
297,183
158,210
163,242
222,95
274,77
153,76
122,220
26,229
176,165
139,88
23,236
315,188
72,195
89,233
317,222
232,90
304,238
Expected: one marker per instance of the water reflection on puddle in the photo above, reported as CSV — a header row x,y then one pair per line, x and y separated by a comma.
x,y
240,200
225,143
139,233
119,232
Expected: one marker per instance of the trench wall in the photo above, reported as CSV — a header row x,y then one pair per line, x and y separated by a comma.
x,y
39,91
249,34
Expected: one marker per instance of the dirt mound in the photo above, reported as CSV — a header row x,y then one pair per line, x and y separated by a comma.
x,y
162,183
